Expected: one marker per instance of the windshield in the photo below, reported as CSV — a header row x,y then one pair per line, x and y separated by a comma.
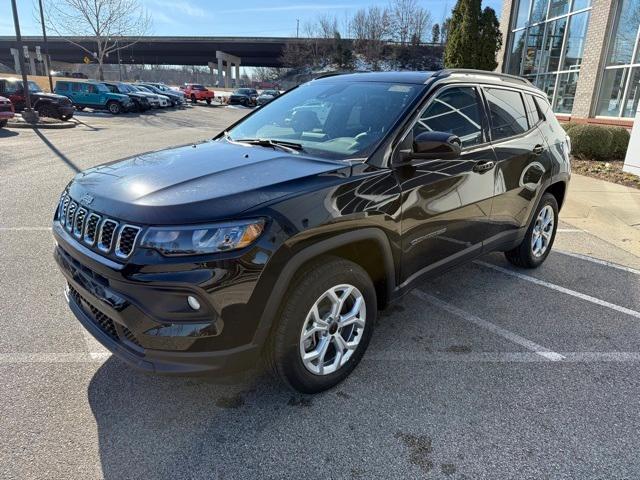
x,y
33,87
270,92
332,120
102,88
244,91
198,87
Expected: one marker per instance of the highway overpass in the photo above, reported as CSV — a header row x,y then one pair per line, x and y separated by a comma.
x,y
253,52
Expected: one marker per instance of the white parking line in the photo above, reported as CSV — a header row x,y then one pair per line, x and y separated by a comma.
x,y
517,339
599,261
80,357
500,357
569,230
22,229
558,288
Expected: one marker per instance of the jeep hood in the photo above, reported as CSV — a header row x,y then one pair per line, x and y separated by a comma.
x,y
199,183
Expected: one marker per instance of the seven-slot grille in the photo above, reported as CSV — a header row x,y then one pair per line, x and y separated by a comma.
x,y
90,228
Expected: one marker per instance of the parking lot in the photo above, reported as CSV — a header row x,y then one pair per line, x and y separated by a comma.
x,y
484,372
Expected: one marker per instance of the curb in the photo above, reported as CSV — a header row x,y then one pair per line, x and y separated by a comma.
x,y
38,126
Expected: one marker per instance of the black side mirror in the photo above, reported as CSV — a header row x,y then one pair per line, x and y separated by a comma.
x,y
436,145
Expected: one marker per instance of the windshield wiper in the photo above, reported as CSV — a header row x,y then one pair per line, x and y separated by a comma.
x,y
290,147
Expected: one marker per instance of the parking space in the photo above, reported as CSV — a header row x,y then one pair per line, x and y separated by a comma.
x,y
485,372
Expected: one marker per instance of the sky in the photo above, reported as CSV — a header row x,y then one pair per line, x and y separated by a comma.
x,y
260,18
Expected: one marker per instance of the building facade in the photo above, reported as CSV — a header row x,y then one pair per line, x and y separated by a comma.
x,y
584,54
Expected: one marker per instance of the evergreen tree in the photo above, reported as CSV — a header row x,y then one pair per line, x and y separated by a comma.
x,y
435,33
489,41
473,37
461,50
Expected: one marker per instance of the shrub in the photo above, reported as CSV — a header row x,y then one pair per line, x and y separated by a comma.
x,y
568,126
591,142
619,141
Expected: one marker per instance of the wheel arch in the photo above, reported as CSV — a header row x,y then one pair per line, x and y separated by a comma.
x,y
559,191
367,247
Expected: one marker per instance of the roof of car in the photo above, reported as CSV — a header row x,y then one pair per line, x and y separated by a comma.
x,y
423,77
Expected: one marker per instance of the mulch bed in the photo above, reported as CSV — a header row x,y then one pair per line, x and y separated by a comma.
x,y
609,171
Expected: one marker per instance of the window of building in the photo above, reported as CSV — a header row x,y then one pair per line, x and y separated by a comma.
x,y
620,85
507,111
547,46
456,110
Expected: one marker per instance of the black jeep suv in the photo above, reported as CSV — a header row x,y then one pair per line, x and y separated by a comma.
x,y
284,235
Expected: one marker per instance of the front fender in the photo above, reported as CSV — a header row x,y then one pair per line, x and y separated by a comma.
x,y
290,257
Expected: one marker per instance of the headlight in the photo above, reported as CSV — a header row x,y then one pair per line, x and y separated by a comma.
x,y
203,239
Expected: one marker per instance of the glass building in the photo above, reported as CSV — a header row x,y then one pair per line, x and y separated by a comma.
x,y
583,54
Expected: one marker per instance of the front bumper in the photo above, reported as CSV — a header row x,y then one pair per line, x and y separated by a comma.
x,y
125,316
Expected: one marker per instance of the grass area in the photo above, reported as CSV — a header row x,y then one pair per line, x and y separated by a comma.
x,y
609,171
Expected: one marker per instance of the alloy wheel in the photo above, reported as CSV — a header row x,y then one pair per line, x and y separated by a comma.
x,y
333,329
542,231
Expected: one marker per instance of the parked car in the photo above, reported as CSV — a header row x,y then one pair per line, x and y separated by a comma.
x,y
195,92
175,96
140,101
94,95
157,101
46,104
6,111
244,96
266,96
283,236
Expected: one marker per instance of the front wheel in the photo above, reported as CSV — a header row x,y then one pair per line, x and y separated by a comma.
x,y
208,100
3,123
114,107
538,240
194,99
325,325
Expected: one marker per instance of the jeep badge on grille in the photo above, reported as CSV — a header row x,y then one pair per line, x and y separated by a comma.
x,y
86,199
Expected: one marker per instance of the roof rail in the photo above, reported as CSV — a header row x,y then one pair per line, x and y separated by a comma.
x,y
445,72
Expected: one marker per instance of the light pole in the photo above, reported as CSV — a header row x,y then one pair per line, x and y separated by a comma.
x,y
28,114
46,47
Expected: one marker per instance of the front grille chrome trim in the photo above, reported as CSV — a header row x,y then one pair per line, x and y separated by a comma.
x,y
119,252
79,222
86,237
71,215
101,245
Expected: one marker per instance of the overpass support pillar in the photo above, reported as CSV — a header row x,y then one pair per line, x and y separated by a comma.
x,y
228,60
16,61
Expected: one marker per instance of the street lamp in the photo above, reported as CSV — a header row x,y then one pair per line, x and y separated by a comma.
x,y
29,115
46,46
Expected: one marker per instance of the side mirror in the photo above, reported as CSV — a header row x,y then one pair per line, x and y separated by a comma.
x,y
436,145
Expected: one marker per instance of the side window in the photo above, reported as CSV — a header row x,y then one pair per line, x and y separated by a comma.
x,y
92,89
507,112
11,87
455,110
76,87
532,110
62,87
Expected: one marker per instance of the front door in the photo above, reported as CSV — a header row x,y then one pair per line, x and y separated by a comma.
x,y
446,204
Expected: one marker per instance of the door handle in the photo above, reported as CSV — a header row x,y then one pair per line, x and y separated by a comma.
x,y
483,166
538,149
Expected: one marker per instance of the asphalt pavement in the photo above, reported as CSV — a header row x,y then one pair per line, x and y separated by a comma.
x,y
485,372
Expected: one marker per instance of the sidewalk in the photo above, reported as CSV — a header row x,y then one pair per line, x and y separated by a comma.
x,y
608,211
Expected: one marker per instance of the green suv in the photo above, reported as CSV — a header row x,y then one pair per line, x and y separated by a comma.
x,y
94,95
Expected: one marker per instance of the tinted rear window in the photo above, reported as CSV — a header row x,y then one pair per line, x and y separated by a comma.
x,y
507,112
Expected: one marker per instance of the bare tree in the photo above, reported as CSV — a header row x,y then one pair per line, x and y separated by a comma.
x,y
409,21
370,29
106,21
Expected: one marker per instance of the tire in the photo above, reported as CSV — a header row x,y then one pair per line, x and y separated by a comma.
x,y
64,118
529,254
285,345
208,100
3,123
114,107
194,99
46,110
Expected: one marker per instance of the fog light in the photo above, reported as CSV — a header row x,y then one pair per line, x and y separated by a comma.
x,y
193,302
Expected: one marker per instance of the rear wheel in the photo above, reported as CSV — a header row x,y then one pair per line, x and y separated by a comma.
x,y
114,107
65,117
3,123
538,240
194,99
325,325
208,100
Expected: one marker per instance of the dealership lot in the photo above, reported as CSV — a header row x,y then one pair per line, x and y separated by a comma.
x,y
484,372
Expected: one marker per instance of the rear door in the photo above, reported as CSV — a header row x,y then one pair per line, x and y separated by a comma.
x,y
520,151
447,203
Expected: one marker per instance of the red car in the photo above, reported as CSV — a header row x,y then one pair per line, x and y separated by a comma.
x,y
6,111
196,92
